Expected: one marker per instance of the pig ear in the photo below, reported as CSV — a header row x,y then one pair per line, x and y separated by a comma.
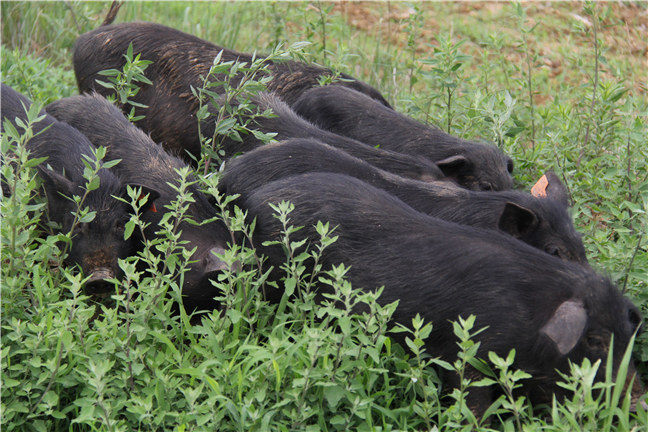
x,y
454,166
56,185
516,220
550,186
145,190
556,190
566,325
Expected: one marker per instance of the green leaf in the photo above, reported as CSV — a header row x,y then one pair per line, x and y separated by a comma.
x,y
110,164
128,229
224,126
333,394
88,217
289,286
109,72
234,315
93,184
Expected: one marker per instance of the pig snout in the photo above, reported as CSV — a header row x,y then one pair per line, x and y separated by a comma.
x,y
634,403
98,283
637,392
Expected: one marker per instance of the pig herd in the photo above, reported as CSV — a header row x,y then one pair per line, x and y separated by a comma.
x,y
431,217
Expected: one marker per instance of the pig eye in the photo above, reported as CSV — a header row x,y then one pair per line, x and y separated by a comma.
x,y
119,226
509,166
635,320
596,343
485,186
555,251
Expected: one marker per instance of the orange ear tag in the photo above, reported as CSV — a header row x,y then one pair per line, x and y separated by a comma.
x,y
152,207
539,190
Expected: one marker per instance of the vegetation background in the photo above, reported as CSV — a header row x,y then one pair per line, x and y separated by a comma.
x,y
558,86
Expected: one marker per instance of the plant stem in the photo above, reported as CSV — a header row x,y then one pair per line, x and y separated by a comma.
x,y
627,272
131,380
530,90
323,26
449,109
593,102
59,357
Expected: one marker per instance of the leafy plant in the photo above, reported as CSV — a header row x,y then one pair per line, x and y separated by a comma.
x,y
445,65
530,59
225,98
126,82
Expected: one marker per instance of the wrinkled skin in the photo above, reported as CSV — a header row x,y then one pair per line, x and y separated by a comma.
x,y
550,310
541,222
350,113
146,163
96,245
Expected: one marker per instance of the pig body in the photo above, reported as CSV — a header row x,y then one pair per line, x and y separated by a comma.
x,y
179,59
286,124
350,113
145,162
541,222
551,311
98,244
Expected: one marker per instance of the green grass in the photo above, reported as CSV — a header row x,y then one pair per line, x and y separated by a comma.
x,y
525,79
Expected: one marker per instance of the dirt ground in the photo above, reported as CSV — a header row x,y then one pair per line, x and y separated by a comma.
x,y
622,31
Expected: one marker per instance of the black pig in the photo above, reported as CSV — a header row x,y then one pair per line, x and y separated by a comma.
x,y
147,163
96,245
353,114
550,310
287,124
179,59
541,222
